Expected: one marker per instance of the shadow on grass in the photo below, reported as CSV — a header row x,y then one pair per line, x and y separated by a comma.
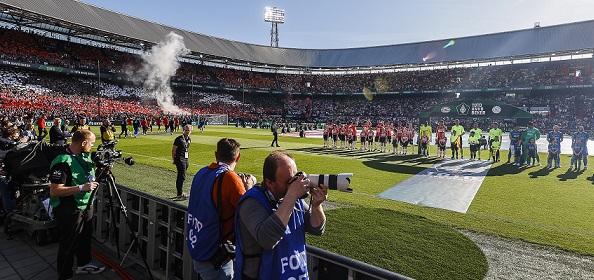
x,y
542,172
257,148
569,175
394,168
357,153
506,169
591,179
389,162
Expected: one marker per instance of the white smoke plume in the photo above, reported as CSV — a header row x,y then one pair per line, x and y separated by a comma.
x,y
160,64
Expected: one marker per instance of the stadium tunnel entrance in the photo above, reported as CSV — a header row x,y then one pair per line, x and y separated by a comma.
x,y
477,109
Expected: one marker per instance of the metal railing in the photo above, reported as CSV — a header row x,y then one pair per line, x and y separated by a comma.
x,y
161,226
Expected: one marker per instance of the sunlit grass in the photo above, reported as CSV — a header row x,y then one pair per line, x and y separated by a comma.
x,y
533,204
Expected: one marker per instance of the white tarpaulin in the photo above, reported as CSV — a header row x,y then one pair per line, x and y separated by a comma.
x,y
450,185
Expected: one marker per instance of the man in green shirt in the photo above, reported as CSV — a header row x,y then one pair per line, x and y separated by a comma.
x,y
530,133
457,138
477,133
495,131
72,181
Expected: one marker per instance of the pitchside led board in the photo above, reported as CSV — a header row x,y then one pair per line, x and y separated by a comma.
x,y
477,108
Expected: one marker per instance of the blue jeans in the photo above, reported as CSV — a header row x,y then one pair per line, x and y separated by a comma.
x,y
7,200
207,272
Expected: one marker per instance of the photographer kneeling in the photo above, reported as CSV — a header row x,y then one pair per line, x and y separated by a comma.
x,y
216,190
272,219
72,178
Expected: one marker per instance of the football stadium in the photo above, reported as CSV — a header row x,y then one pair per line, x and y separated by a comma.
x,y
495,184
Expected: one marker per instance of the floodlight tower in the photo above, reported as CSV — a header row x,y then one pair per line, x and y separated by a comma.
x,y
275,16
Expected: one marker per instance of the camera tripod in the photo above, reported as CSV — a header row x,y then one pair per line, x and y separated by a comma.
x,y
107,179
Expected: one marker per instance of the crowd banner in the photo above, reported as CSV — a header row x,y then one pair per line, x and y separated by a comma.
x,y
476,108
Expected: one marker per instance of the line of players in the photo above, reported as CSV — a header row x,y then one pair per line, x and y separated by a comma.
x,y
522,143
385,138
579,147
525,151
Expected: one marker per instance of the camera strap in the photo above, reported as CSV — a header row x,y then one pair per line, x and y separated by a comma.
x,y
81,163
220,205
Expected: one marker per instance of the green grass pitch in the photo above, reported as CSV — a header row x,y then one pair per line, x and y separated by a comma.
x,y
531,204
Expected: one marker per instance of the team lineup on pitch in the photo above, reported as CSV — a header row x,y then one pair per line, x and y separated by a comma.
x,y
450,184
542,142
461,156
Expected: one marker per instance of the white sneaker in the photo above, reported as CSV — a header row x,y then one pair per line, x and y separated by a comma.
x,y
90,268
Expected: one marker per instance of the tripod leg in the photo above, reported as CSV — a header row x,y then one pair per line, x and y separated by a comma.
x,y
127,252
111,184
113,216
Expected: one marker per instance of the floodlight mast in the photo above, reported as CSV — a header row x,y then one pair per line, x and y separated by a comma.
x,y
275,16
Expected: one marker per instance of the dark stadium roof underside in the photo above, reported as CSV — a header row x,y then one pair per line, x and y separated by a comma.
x,y
78,19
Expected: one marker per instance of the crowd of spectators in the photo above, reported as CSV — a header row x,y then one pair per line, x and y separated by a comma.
x,y
60,95
38,48
23,92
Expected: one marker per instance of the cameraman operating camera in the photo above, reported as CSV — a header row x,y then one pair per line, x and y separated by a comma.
x,y
272,219
107,131
72,178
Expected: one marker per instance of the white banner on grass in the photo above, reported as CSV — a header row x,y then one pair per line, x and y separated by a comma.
x,y
450,185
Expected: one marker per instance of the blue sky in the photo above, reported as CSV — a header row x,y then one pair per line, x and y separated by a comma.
x,y
329,24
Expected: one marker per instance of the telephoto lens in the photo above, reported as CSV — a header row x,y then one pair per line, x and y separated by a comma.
x,y
339,181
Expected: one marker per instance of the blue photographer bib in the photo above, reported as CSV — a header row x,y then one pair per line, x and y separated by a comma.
x,y
204,224
288,259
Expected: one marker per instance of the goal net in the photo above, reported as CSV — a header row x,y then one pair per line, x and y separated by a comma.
x,y
216,119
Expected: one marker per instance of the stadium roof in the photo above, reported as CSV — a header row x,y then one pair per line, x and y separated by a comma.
x,y
77,19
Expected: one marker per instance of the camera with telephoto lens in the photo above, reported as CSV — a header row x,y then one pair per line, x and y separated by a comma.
x,y
340,182
106,155
224,251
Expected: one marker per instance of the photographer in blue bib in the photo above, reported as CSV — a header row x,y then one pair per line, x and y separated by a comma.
x,y
216,190
272,219
72,178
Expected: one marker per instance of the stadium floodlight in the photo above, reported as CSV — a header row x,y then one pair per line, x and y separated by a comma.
x,y
275,16
272,14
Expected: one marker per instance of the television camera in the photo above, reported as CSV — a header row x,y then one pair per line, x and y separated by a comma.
x,y
27,172
106,155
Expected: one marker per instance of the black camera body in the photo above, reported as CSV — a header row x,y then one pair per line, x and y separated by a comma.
x,y
106,155
338,182
224,251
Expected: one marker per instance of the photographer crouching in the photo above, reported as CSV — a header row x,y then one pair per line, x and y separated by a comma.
x,y
272,219
72,178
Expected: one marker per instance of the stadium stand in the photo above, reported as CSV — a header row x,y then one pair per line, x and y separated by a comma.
x,y
306,97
